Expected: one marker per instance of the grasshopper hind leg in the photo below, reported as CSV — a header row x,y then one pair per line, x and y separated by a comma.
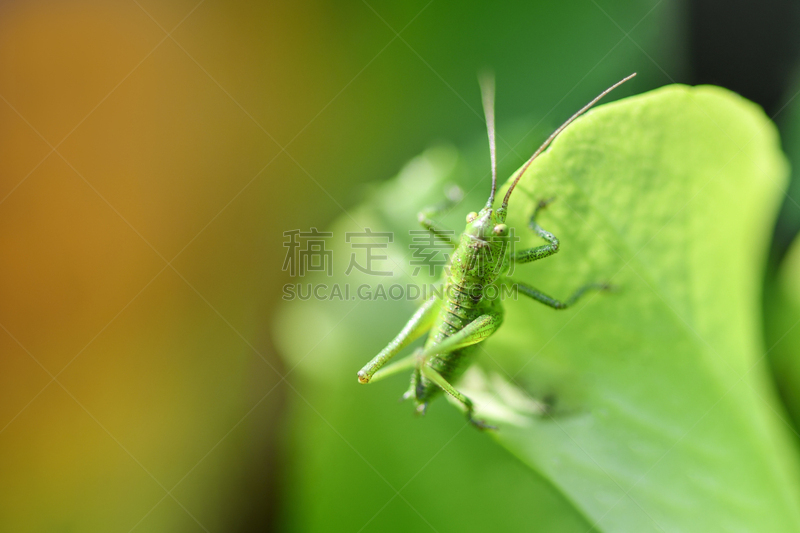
x,y
413,389
442,383
416,390
422,406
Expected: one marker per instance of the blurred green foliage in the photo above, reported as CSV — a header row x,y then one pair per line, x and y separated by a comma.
x,y
781,321
788,120
782,285
395,76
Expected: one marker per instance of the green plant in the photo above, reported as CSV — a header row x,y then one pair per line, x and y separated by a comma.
x,y
662,414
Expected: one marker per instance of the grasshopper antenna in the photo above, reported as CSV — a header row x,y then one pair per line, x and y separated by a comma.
x,y
486,80
555,134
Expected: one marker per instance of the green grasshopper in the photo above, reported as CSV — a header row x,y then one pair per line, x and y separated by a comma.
x,y
462,315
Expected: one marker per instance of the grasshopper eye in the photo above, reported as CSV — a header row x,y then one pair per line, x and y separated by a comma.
x,y
472,216
500,230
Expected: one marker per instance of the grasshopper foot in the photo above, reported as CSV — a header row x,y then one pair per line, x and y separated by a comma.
x,y
544,202
480,424
602,286
607,287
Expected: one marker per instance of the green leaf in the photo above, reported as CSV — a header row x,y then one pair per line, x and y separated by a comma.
x,y
664,405
661,419
782,331
782,300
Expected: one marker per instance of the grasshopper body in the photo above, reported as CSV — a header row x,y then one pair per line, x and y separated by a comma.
x,y
465,315
473,267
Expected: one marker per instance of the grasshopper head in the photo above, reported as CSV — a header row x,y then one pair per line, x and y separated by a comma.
x,y
487,226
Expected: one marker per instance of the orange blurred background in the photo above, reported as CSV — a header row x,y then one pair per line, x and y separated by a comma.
x,y
135,242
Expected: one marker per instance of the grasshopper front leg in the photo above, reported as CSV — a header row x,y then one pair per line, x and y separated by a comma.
x,y
539,252
419,323
426,221
541,297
